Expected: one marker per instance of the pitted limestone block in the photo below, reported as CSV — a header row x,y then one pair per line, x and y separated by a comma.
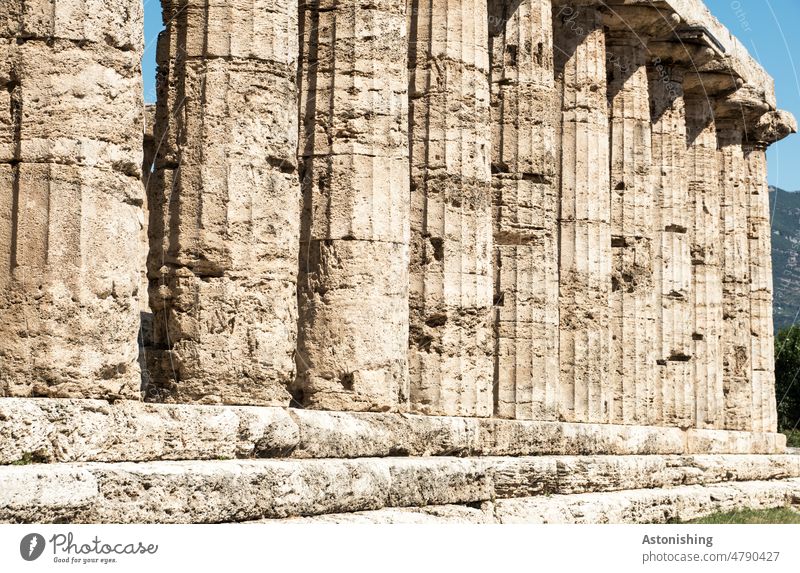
x,y
230,491
608,473
734,442
46,494
68,308
218,492
353,85
240,225
193,116
226,339
116,23
346,198
526,328
525,476
523,117
528,476
681,503
702,469
351,350
255,30
523,208
58,430
431,514
439,42
54,87
518,438
421,482
351,435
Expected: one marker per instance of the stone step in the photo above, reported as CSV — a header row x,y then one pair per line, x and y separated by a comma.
x,y
247,490
61,430
658,505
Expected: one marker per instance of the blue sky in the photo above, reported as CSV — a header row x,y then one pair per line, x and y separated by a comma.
x,y
769,30
766,27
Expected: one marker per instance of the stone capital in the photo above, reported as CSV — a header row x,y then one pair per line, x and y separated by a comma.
x,y
773,126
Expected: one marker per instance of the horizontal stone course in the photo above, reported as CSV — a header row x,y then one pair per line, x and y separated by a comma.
x,y
641,506
56,430
245,490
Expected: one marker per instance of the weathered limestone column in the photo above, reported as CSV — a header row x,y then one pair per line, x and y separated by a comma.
x,y
633,300
524,116
762,344
736,346
353,281
584,229
450,356
704,229
769,128
224,207
674,378
70,198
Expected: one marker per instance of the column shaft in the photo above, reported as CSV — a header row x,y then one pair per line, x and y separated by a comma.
x,y
525,213
71,198
224,213
706,247
451,212
736,343
584,230
633,299
675,389
353,282
760,262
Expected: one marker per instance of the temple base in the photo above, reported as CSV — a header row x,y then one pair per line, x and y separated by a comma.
x,y
71,461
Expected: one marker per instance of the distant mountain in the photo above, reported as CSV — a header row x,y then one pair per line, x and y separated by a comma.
x,y
785,207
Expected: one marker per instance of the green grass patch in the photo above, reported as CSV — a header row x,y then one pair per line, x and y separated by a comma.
x,y
779,515
792,438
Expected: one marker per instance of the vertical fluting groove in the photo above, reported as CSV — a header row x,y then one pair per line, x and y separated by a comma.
x,y
584,222
71,141
764,405
631,188
354,244
676,402
224,214
450,350
706,254
524,212
736,341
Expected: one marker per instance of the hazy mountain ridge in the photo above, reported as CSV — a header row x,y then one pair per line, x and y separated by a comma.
x,y
785,209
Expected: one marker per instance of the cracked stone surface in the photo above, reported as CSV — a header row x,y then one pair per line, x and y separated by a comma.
x,y
224,209
71,198
525,199
450,297
354,244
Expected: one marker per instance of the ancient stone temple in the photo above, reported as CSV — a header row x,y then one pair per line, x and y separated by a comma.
x,y
414,260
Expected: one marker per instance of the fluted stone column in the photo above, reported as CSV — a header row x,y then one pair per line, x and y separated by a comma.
x,y
450,355
704,228
586,394
766,129
762,344
524,116
674,378
633,318
224,206
736,345
353,285
70,198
